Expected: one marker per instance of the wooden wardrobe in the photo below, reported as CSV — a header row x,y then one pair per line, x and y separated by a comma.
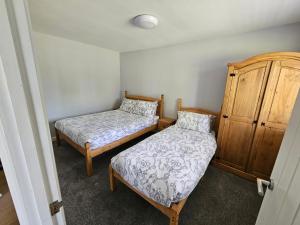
x,y
259,98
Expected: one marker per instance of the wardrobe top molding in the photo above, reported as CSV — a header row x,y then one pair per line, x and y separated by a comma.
x,y
267,56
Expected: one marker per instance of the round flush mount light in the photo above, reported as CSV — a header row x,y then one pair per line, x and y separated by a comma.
x,y
145,21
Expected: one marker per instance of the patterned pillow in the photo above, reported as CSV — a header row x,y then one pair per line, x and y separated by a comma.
x,y
145,108
128,105
194,121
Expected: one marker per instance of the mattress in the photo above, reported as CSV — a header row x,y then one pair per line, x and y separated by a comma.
x,y
103,128
167,166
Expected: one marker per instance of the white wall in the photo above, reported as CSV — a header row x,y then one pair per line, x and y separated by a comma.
x,y
76,78
196,71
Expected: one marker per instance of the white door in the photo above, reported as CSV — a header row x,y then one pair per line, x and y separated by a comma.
x,y
281,206
25,144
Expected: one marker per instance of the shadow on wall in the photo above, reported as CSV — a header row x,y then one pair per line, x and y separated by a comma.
x,y
214,90
212,80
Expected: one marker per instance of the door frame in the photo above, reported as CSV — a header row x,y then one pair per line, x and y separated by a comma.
x,y
25,144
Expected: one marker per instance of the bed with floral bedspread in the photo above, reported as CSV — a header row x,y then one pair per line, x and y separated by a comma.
x,y
167,166
103,128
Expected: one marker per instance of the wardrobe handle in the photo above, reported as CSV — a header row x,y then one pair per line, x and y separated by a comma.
x,y
263,124
225,116
255,121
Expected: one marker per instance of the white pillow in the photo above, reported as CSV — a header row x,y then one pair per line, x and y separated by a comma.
x,y
194,121
128,105
145,108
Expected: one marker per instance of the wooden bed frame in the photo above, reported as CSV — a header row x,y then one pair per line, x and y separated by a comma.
x,y
174,210
90,154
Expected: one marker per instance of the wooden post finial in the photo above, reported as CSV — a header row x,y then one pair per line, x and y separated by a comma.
x,y
179,104
162,106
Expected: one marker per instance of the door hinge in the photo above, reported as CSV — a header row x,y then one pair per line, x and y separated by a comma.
x,y
232,75
55,207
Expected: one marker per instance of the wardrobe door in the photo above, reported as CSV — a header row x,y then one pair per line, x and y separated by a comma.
x,y
280,96
242,101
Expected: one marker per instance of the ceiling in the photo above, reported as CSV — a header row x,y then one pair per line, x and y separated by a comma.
x,y
106,23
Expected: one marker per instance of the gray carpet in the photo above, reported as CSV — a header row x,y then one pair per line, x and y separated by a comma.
x,y
220,197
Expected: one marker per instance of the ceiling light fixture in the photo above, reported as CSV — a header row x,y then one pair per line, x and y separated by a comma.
x,y
145,21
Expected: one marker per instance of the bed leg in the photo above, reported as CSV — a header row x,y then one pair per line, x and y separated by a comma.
x,y
174,219
112,181
57,138
88,160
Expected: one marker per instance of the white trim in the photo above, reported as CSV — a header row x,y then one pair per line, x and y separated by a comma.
x,y
26,149
38,105
13,158
11,176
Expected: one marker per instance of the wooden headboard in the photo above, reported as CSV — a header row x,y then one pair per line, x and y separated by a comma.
x,y
200,110
160,102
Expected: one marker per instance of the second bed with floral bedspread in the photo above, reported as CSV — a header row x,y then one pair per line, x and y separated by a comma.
x,y
103,128
167,166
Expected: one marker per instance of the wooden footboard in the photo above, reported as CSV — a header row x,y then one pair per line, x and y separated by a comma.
x,y
172,212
